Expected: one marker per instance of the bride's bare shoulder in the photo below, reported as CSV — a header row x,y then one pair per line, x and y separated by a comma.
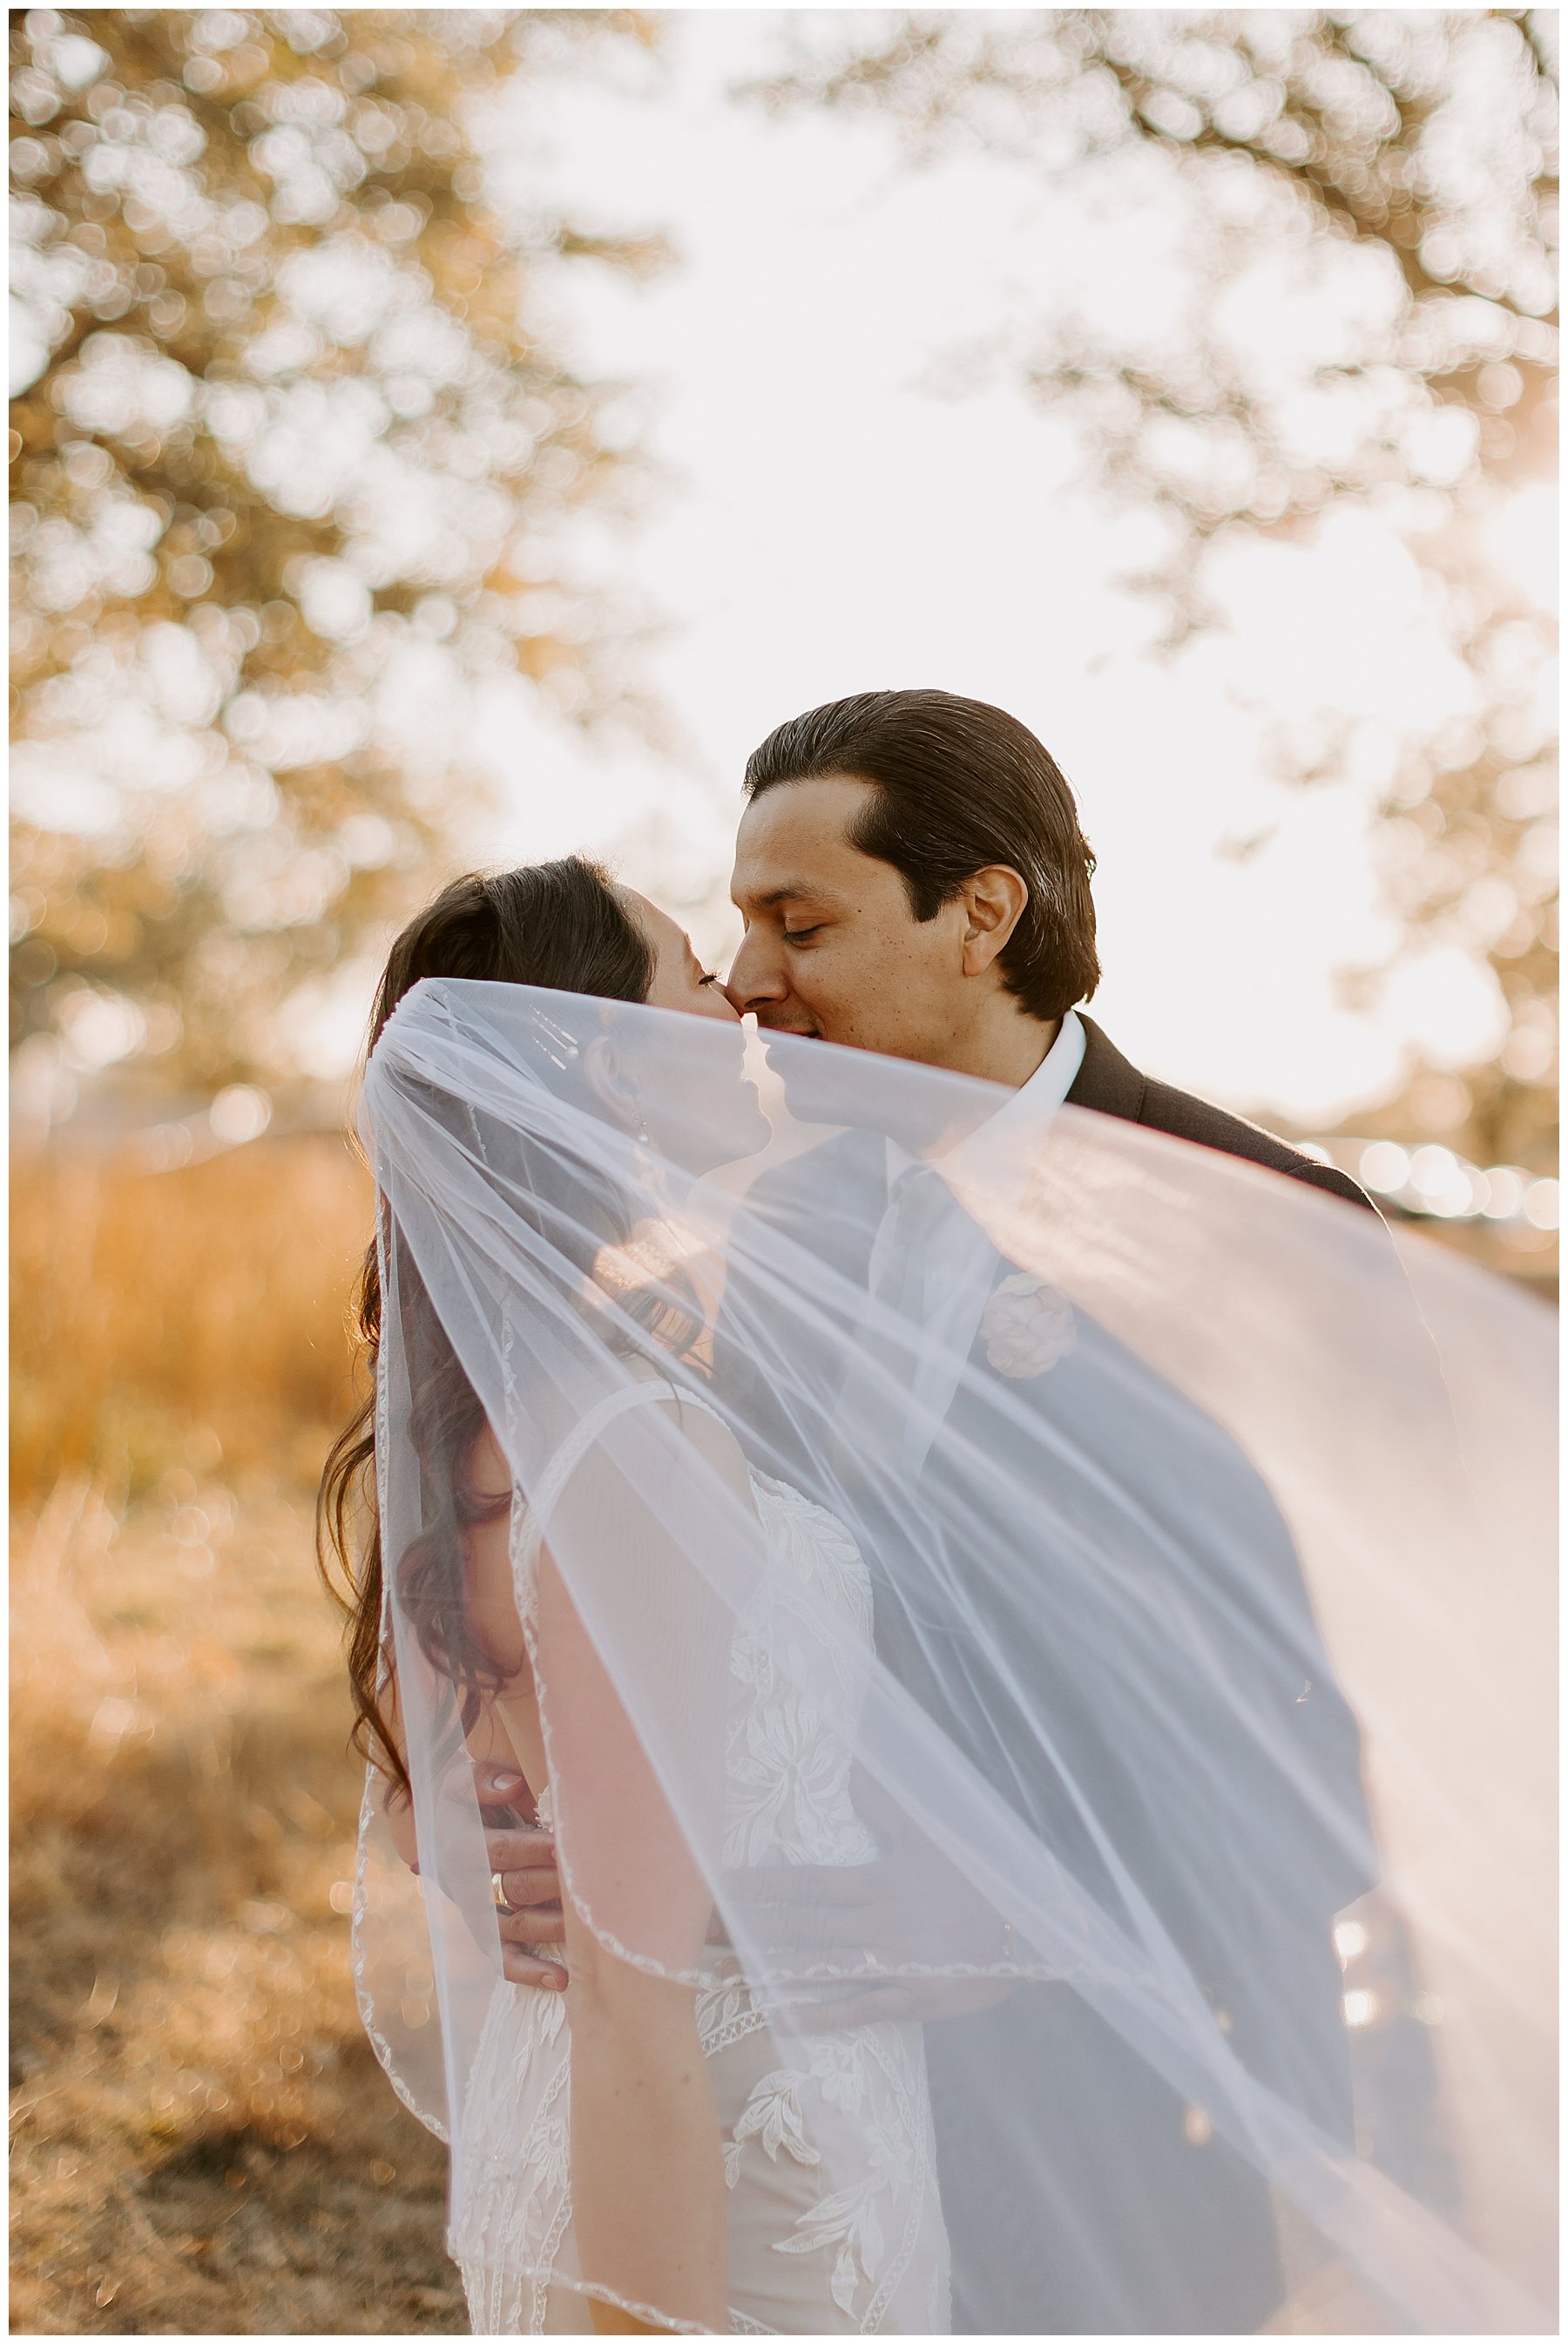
x,y
702,1426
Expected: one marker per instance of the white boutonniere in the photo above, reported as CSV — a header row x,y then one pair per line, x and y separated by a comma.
x,y
1028,1325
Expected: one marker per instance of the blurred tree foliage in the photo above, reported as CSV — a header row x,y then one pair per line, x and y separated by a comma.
x,y
1365,312
292,438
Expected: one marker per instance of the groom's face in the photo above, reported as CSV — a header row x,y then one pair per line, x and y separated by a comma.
x,y
832,948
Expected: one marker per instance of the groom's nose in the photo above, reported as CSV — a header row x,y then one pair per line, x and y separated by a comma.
x,y
756,976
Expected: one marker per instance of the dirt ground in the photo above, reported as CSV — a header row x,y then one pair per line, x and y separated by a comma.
x,y
202,2140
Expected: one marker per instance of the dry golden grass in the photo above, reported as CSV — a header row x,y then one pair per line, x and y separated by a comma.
x,y
153,1312
203,2140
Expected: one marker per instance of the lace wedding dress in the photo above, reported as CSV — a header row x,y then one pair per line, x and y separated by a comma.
x,y
857,2249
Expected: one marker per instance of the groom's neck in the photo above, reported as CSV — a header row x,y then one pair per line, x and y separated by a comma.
x,y
1005,1044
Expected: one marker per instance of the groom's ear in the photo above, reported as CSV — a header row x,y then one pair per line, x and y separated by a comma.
x,y
994,901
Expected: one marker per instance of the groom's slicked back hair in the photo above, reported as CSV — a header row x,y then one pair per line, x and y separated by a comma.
x,y
959,784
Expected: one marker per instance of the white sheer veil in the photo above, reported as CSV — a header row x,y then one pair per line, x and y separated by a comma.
x,y
1210,1705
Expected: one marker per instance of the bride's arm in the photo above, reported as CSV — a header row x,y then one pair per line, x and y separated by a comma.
x,y
648,2176
394,1797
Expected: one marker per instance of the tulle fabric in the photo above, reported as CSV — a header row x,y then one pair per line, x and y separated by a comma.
x,y
1202,1727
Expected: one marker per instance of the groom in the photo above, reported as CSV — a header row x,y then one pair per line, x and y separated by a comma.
x,y
914,882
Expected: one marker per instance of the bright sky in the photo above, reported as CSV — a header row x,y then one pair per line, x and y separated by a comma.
x,y
829,523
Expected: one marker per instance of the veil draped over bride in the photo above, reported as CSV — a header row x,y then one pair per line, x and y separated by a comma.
x,y
1162,1710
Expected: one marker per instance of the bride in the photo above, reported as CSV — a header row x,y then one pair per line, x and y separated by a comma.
x,y
1106,1696
639,2126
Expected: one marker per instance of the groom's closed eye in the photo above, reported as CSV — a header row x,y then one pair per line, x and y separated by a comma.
x,y
798,935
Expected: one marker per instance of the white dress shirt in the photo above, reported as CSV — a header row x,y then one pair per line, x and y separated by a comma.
x,y
946,1275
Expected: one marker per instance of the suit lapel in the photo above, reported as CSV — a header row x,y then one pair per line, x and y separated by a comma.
x,y
1106,1081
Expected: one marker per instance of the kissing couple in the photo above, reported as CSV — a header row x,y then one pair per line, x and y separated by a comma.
x,y
857,1546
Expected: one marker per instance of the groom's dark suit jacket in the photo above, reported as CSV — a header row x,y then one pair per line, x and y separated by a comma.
x,y
1146,2229
1110,1085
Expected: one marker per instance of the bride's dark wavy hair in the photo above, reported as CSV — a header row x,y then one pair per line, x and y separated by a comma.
x,y
562,926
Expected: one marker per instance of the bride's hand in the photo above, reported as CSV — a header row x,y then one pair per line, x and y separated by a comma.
x,y
521,1857
524,1860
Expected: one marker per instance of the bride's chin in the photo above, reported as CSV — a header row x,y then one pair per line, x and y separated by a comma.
x,y
729,1134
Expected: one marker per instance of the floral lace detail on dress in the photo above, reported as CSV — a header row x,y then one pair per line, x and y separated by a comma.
x,y
787,1779
871,2230
726,2011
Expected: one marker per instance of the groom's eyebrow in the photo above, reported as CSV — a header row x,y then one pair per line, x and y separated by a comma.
x,y
785,895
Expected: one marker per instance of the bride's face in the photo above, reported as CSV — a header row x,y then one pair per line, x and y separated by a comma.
x,y
703,1111
680,979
